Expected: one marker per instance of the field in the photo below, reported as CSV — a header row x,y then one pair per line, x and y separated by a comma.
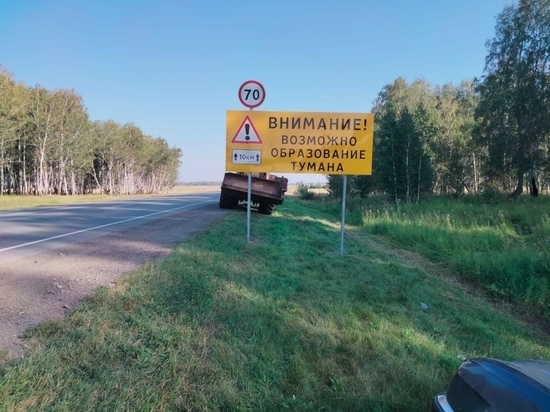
x,y
10,202
286,323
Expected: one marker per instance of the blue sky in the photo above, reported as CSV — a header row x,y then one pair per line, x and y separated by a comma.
x,y
174,67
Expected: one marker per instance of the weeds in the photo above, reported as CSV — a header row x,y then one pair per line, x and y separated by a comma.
x,y
281,323
501,245
303,192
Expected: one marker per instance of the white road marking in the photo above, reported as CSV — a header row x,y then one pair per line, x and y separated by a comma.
x,y
102,226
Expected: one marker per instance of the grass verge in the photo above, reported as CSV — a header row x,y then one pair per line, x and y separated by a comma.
x,y
282,323
12,202
502,245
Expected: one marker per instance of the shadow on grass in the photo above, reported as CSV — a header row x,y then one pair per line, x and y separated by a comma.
x,y
281,323
510,267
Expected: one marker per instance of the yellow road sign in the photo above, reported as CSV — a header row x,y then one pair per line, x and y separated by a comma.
x,y
299,142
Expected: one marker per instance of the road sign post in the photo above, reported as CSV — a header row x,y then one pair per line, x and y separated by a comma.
x,y
297,142
251,95
248,201
342,225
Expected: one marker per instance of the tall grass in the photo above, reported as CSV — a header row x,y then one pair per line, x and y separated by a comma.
x,y
282,323
500,244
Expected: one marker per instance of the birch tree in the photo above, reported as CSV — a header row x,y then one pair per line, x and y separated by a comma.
x,y
513,122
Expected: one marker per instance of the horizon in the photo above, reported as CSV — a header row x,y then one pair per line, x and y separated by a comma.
x,y
174,69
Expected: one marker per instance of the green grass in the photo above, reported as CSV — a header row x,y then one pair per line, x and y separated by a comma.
x,y
500,244
12,202
282,323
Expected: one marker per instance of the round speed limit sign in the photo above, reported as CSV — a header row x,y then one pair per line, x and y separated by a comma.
x,y
252,94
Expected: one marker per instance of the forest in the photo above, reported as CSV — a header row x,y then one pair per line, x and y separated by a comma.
x,y
486,135
49,145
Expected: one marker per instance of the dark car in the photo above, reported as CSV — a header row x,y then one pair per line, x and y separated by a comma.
x,y
485,384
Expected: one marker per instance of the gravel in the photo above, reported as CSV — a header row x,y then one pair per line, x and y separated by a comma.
x,y
48,285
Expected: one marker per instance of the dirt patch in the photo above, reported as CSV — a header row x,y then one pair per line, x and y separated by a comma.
x,y
50,284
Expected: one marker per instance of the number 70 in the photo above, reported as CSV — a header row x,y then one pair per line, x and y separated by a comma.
x,y
255,94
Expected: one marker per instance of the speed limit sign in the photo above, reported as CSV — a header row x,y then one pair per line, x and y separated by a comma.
x,y
252,94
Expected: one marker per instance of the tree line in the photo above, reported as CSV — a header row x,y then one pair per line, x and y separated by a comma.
x,y
488,134
48,145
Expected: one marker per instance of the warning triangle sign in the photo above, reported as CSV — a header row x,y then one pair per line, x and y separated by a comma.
x,y
247,133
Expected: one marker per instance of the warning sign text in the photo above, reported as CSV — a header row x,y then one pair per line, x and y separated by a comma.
x,y
319,143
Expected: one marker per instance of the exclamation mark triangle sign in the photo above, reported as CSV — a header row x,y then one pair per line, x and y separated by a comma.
x,y
247,133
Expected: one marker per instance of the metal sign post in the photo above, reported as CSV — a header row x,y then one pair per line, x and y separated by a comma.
x,y
249,199
327,143
344,195
251,94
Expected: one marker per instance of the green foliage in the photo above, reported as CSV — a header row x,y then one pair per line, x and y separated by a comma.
x,y
303,191
457,139
423,140
335,186
491,194
499,244
280,323
360,186
357,186
513,125
454,149
49,145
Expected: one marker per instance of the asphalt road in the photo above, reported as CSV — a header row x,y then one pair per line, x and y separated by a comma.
x,y
31,231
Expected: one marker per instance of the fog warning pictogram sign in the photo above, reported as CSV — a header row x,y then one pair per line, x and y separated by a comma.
x,y
247,133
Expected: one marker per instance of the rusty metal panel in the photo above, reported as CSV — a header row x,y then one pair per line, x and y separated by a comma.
x,y
266,188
